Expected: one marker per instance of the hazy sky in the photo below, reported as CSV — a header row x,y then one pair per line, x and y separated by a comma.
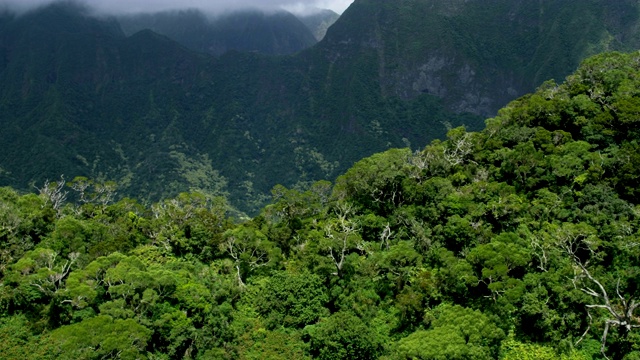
x,y
134,6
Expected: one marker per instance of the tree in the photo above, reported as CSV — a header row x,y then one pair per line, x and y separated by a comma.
x,y
343,336
42,269
191,223
249,249
620,310
54,194
102,337
374,183
24,221
455,333
292,299
341,236
511,349
497,261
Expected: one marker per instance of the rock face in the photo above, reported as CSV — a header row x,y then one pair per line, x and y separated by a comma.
x,y
478,55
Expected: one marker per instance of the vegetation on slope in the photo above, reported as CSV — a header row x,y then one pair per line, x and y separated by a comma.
x,y
479,55
78,97
516,242
84,100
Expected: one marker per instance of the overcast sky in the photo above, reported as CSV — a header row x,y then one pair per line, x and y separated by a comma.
x,y
135,6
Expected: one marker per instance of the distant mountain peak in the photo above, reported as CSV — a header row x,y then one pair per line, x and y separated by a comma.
x,y
318,21
251,30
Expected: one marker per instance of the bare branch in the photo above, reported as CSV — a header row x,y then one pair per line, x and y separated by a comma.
x,y
53,193
340,230
586,331
386,234
621,314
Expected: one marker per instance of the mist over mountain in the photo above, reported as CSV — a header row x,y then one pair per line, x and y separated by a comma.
x,y
131,7
275,33
319,22
79,97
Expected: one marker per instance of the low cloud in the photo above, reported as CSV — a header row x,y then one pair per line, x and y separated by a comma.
x,y
212,6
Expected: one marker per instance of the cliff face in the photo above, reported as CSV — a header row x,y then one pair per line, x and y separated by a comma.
x,y
478,55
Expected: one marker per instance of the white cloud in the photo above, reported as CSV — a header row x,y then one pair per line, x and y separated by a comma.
x,y
304,7
336,5
135,6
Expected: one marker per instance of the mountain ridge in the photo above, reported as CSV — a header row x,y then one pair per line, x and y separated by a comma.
x,y
278,33
464,42
159,118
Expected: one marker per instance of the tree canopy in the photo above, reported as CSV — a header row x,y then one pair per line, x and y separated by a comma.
x,y
520,241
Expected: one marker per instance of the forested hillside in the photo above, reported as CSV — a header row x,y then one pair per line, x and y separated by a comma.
x,y
519,241
477,55
80,98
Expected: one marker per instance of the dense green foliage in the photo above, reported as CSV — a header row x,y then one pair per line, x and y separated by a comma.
x,y
79,98
516,242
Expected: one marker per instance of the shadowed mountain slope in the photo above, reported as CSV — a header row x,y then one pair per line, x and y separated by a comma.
x,y
78,97
277,33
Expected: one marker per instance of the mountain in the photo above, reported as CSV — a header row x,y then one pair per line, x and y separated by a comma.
x,y
506,243
478,55
81,91
79,97
278,33
319,21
